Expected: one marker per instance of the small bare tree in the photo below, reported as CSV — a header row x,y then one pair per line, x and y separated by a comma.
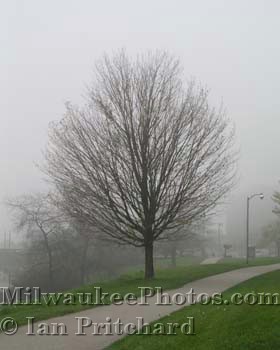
x,y
85,235
276,200
271,234
146,154
36,215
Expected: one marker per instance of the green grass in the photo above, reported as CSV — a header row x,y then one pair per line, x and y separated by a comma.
x,y
231,327
130,283
162,263
165,263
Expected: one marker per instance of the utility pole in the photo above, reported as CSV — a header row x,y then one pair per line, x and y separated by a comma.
x,y
247,230
261,196
220,225
10,238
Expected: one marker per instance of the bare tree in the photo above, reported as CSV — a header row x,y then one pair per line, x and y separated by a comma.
x,y
276,200
85,235
36,214
271,234
146,154
176,240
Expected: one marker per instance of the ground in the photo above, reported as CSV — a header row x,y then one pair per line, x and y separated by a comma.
x,y
231,327
221,324
184,273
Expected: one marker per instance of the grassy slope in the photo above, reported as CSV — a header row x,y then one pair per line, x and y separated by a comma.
x,y
166,278
229,327
164,263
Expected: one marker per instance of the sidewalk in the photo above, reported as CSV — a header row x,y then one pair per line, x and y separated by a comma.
x,y
213,260
126,313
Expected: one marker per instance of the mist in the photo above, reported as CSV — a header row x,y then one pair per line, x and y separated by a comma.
x,y
48,54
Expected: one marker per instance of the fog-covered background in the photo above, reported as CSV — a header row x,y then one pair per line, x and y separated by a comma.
x,y
48,49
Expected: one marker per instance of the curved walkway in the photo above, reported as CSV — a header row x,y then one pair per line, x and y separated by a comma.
x,y
126,313
211,261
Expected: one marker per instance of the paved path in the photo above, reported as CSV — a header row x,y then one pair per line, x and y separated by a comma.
x,y
126,313
213,260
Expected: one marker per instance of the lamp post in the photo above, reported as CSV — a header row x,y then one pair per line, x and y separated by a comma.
x,y
220,225
261,196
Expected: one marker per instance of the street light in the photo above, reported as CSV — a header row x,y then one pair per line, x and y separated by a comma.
x,y
220,225
261,196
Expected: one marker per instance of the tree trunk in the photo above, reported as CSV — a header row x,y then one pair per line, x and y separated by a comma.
x,y
50,257
83,262
149,261
50,267
173,256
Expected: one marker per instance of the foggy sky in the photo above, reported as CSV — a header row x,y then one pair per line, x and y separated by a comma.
x,y
48,49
